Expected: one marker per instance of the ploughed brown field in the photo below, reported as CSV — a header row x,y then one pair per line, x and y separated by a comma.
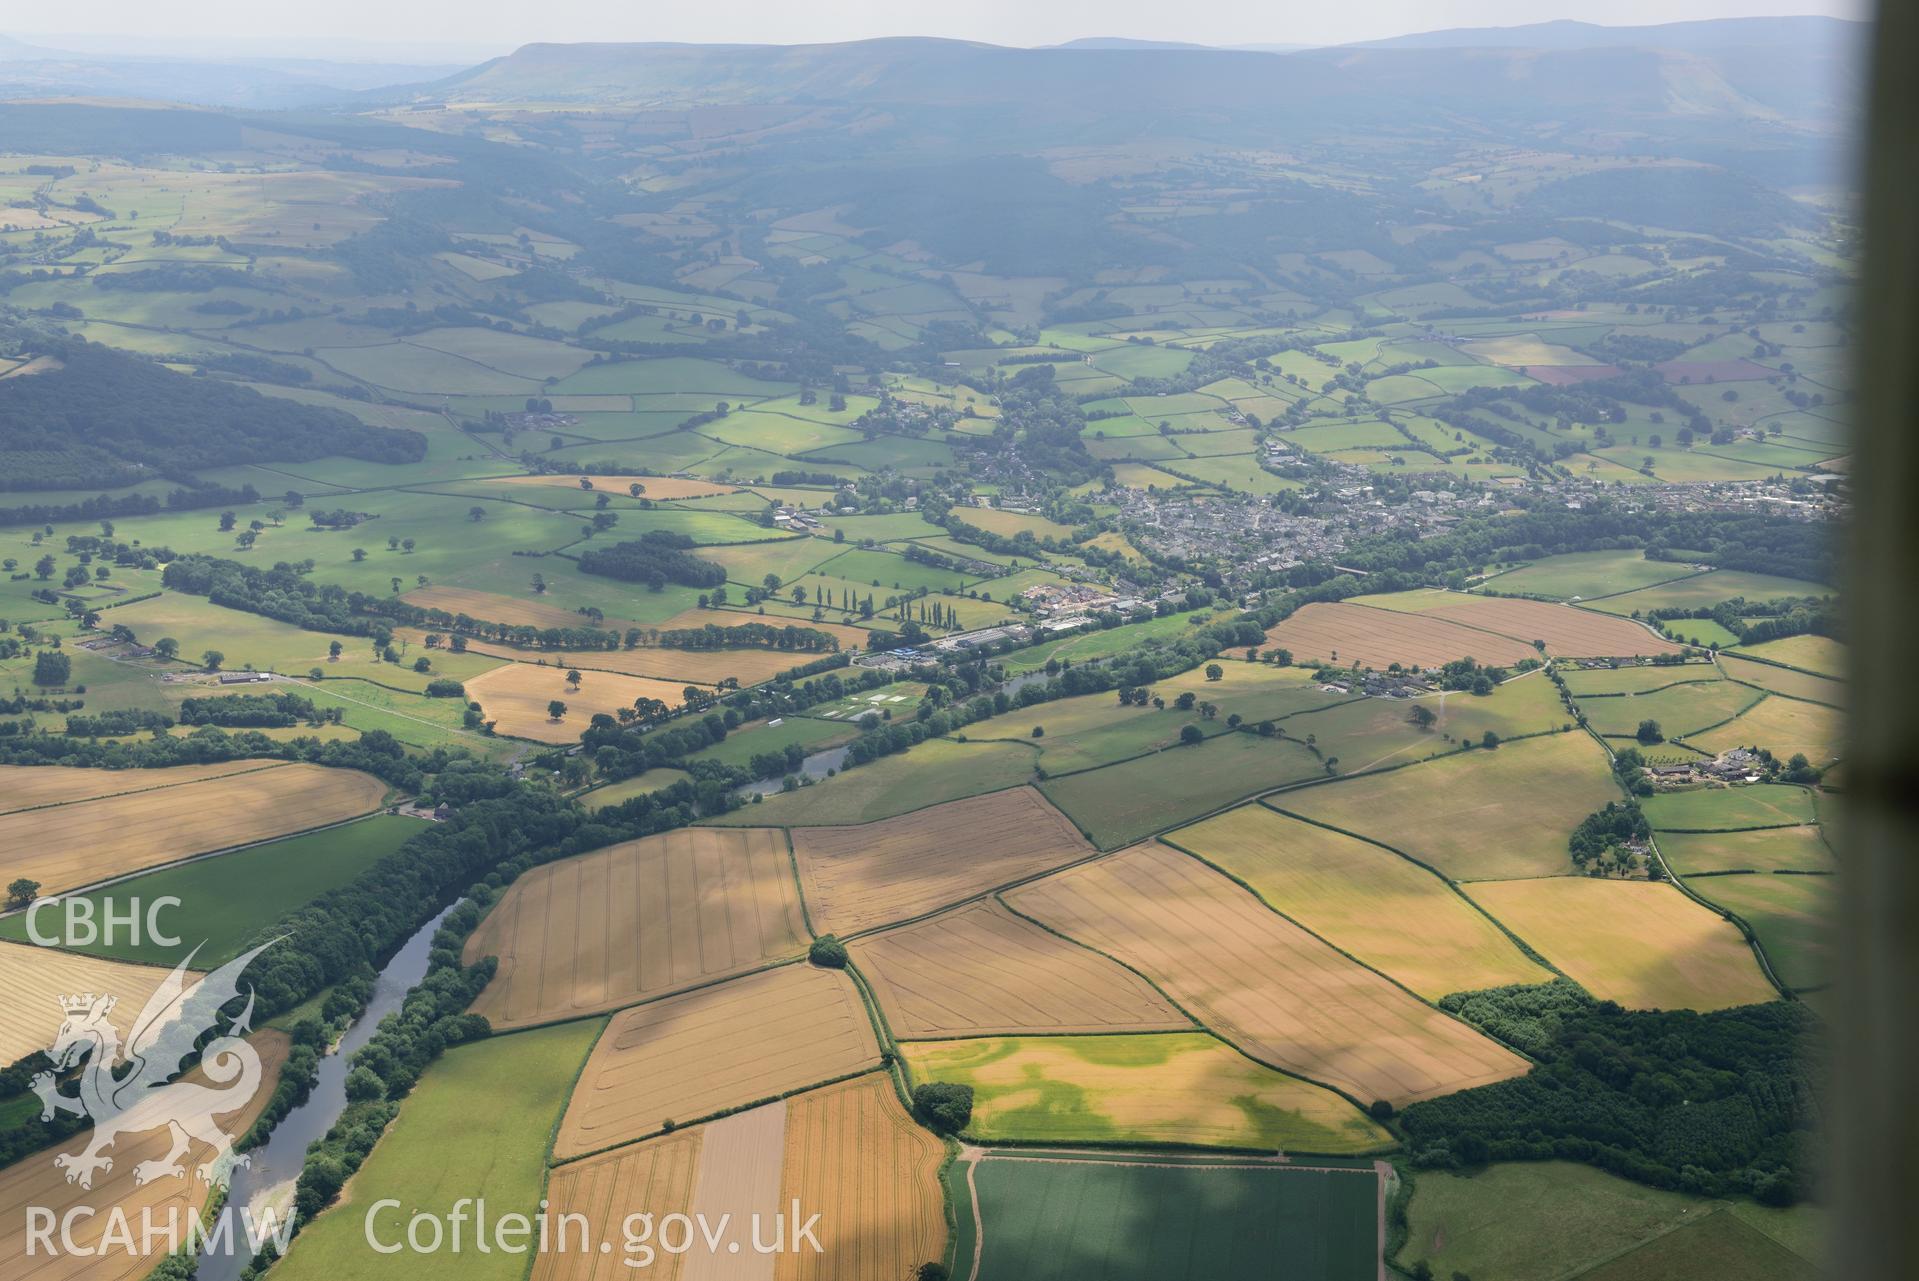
x,y
980,970
614,926
97,840
1361,636
1262,983
37,1183
1567,631
699,1053
872,874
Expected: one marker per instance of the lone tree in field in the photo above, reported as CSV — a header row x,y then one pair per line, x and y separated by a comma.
x,y
22,892
1649,733
1191,734
556,710
211,659
827,952
573,679
944,1106
1215,672
1421,717
167,647
476,514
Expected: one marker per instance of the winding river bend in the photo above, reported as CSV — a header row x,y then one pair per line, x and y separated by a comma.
x,y
276,1164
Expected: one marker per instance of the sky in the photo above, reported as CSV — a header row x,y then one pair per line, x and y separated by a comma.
x,y
456,30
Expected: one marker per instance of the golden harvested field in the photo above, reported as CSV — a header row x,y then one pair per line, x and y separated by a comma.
x,y
738,1181
1477,815
37,1183
1783,725
698,1053
35,978
1360,636
982,970
1768,849
492,607
515,698
1814,653
1262,983
848,637
1567,631
680,666
1396,917
1643,944
100,839
605,929
1185,1088
655,1177
654,487
856,1158
859,878
30,786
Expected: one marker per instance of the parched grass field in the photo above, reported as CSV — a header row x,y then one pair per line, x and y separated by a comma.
x,y
1568,631
1173,1088
654,1177
1634,678
25,787
1643,944
680,667
855,1157
1792,915
36,978
434,1155
1011,524
981,970
690,1056
493,607
617,925
1261,982
1361,636
1785,726
1813,653
515,696
1369,903
1476,815
1779,680
936,771
1122,803
1768,849
657,488
1372,733
95,840
225,901
1722,1245
1066,1217
1574,1215
1729,809
99,1250
1679,709
862,877
1587,575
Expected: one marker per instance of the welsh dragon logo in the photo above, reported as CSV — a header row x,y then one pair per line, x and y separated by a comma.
x,y
132,1094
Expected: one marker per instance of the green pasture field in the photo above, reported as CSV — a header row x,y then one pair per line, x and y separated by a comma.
x,y
1698,631
1703,591
812,735
1729,809
1240,472
1587,575
1818,654
891,570
682,374
1679,709
1119,804
1011,524
888,528
1090,730
935,771
1117,1088
1476,815
1634,678
225,901
749,563
1539,1221
1137,360
777,433
433,1156
414,719
1066,1219
405,367
1765,849
518,354
1720,1245
1779,680
1098,643
626,789
902,453
1368,733
1792,915
1784,726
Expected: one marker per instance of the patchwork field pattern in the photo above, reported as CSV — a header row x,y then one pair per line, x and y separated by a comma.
x,y
657,1174
1176,1088
854,1156
1476,815
714,1049
1260,981
981,970
1643,944
858,878
99,839
614,926
1784,726
1360,636
1363,900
